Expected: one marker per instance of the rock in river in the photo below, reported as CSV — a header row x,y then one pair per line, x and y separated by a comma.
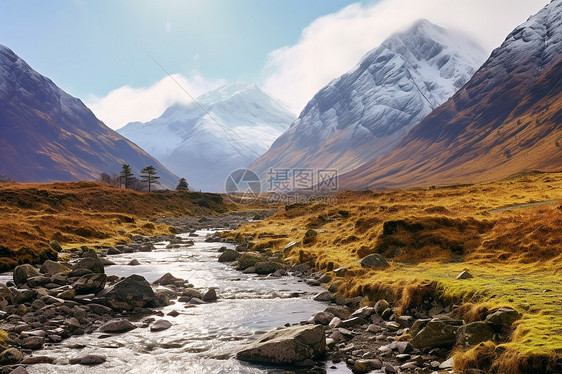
x,y
90,283
160,325
132,292
287,346
117,326
24,272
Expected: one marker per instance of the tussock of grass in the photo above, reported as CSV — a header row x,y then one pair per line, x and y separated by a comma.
x,y
430,236
84,213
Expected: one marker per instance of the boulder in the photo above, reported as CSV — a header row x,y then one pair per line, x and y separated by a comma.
x,y
324,296
210,295
128,294
19,370
90,283
267,267
437,333
67,295
94,264
374,260
323,318
287,346
160,325
38,281
229,255
503,317
55,245
23,272
474,333
32,342
134,262
118,326
52,267
113,251
167,279
248,259
10,356
22,296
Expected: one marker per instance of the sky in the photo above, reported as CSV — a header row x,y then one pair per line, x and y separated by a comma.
x,y
125,58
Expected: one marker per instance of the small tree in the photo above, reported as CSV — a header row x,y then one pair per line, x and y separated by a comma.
x,y
182,185
126,175
148,175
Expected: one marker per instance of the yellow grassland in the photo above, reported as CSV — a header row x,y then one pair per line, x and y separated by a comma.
x,y
507,234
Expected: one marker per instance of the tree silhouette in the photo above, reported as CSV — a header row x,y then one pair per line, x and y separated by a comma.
x,y
148,175
182,185
126,175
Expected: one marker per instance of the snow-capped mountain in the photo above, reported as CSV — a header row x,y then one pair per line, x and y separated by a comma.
x,y
505,120
47,135
365,113
226,129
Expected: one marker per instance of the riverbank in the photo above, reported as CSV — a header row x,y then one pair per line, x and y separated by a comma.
x,y
38,220
429,237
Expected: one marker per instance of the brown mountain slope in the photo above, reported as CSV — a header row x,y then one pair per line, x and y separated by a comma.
x,y
505,120
47,135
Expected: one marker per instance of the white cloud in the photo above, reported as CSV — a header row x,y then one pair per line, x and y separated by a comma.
x,y
333,44
127,104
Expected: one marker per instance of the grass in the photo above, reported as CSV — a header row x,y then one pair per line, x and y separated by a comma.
x,y
501,232
85,214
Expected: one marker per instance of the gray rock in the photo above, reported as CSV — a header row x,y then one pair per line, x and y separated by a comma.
x,y
503,317
32,342
23,272
113,251
474,333
210,295
19,370
22,296
160,325
248,259
267,267
464,275
33,360
52,267
366,366
340,272
128,294
94,264
38,281
436,333
374,260
134,262
167,279
229,255
89,360
287,346
90,283
117,326
324,296
67,295
10,356
322,318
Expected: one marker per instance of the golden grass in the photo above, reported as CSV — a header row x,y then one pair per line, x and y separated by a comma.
x,y
514,252
85,213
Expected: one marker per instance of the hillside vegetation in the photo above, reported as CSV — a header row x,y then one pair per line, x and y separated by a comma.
x,y
85,213
507,234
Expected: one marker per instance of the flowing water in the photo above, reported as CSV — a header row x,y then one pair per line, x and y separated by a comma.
x,y
203,339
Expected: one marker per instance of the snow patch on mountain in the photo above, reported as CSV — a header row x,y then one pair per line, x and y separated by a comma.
x,y
204,141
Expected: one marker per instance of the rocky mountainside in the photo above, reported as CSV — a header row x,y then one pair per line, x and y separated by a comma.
x,y
505,120
227,129
365,113
47,135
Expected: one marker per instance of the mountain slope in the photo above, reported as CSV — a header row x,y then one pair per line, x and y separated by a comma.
x,y
47,135
505,120
365,112
238,123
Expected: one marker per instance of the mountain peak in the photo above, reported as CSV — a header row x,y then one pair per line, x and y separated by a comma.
x,y
365,112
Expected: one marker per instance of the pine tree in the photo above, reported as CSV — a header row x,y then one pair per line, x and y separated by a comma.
x,y
148,175
182,185
126,175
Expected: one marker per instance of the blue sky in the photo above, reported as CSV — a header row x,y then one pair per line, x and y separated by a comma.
x,y
92,47
100,50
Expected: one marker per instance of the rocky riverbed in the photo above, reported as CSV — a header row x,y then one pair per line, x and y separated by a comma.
x,y
105,307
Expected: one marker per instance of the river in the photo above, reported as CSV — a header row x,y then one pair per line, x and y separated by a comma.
x,y
203,339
